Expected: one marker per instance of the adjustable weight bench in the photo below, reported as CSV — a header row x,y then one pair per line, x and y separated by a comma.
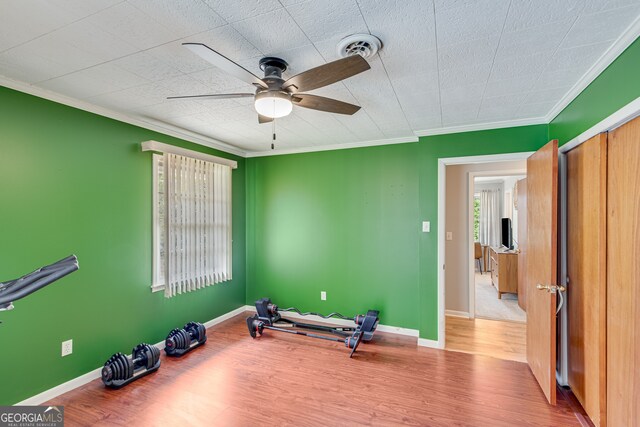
x,y
268,317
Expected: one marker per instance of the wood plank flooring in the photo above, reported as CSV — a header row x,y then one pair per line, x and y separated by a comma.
x,y
496,338
279,379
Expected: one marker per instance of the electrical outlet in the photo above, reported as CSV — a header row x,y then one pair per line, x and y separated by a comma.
x,y
426,226
67,347
449,235
323,295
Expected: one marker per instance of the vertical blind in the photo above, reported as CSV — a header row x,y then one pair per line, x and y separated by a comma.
x,y
197,224
489,230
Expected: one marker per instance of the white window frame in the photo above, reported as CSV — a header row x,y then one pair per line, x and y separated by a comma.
x,y
158,277
157,283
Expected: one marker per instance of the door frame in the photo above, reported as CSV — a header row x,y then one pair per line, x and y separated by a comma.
x,y
618,118
442,164
470,196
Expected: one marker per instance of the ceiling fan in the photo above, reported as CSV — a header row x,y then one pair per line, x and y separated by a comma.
x,y
274,97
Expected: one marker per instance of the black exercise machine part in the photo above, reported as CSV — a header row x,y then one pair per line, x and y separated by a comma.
x,y
121,370
16,289
268,317
181,341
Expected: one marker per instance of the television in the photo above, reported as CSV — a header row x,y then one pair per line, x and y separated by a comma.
x,y
507,236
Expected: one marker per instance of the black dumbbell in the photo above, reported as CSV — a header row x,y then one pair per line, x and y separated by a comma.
x,y
181,341
120,370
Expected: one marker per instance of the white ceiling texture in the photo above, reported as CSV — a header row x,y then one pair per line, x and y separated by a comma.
x,y
445,65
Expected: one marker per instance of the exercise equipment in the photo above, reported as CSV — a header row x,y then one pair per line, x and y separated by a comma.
x,y
181,341
120,370
16,289
268,317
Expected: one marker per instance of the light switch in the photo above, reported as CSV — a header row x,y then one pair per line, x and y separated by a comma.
x,y
449,235
426,226
323,295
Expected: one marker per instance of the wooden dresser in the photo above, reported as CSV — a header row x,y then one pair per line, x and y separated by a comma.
x,y
504,271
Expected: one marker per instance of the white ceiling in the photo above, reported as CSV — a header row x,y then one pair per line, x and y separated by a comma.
x,y
444,64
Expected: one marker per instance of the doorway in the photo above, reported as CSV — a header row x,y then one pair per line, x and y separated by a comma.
x,y
461,329
495,222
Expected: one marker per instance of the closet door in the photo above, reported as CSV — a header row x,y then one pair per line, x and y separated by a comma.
x,y
623,275
586,269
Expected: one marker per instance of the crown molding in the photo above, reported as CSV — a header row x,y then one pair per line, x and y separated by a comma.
x,y
150,124
615,120
331,147
611,54
482,126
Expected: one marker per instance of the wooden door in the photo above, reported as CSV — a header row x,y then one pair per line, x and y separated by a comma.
x,y
623,275
522,242
586,270
542,263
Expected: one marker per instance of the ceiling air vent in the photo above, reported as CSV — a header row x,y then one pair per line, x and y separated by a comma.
x,y
364,45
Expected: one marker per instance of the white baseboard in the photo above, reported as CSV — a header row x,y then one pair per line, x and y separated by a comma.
x,y
423,342
456,313
344,322
95,374
224,317
399,331
56,391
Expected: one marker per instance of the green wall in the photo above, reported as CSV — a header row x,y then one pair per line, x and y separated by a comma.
x,y
432,148
349,222
75,182
340,221
615,87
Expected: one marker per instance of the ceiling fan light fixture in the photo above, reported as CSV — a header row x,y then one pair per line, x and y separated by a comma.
x,y
273,104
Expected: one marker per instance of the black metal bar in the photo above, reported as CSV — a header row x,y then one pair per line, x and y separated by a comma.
x,y
291,331
333,330
34,282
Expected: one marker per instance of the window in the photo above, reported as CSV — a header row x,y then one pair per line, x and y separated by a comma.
x,y
476,217
191,223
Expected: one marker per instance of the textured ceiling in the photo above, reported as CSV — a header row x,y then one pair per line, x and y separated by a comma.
x,y
444,63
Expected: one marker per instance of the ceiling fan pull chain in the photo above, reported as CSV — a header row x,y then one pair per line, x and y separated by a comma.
x,y
273,131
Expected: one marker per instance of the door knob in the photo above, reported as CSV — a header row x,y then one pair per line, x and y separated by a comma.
x,y
551,288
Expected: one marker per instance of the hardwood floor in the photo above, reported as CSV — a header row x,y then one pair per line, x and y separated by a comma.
x,y
496,338
280,379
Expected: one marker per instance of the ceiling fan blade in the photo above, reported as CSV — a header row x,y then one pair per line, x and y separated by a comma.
x,y
216,96
264,119
321,103
224,63
327,74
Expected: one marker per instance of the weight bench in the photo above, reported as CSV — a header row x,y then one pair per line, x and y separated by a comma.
x,y
268,317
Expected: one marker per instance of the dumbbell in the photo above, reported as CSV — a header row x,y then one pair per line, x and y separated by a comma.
x,y
120,370
181,341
